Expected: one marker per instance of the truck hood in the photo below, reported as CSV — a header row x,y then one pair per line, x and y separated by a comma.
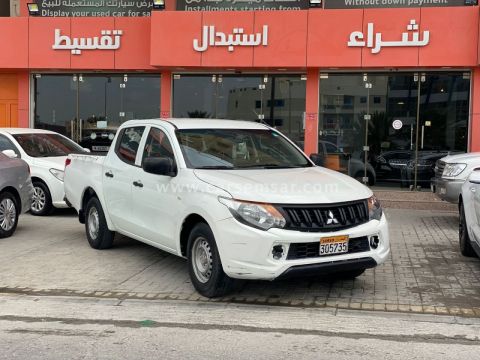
x,y
55,162
313,185
462,158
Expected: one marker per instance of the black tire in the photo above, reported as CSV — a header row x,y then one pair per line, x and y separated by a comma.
x,y
464,240
350,274
98,235
9,212
213,282
42,200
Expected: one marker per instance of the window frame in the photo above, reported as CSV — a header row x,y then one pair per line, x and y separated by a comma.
x,y
119,141
166,136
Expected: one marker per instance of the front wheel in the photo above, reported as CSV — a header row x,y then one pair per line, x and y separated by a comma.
x,y
204,264
42,200
9,212
464,240
98,235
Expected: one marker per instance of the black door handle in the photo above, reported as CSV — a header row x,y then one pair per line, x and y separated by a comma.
x,y
138,184
109,174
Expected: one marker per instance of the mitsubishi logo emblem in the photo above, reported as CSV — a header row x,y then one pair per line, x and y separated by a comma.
x,y
331,219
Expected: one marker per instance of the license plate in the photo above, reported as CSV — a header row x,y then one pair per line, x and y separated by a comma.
x,y
100,148
334,245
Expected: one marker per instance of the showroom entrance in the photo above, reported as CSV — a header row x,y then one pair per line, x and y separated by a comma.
x,y
88,108
277,100
390,129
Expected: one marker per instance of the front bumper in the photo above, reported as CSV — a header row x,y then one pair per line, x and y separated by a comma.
x,y
246,252
447,190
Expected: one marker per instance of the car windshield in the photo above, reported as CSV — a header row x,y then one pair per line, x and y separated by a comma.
x,y
238,149
46,145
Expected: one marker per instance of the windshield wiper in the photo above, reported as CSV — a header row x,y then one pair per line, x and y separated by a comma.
x,y
215,167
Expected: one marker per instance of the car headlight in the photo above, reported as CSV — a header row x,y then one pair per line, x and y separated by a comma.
x,y
258,215
374,208
452,170
59,174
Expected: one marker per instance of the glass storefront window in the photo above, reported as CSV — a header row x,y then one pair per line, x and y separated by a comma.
x,y
277,100
392,145
89,107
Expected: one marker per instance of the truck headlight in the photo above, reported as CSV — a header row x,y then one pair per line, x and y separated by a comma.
x,y
374,208
59,174
259,215
452,170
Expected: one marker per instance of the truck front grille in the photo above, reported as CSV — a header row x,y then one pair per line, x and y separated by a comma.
x,y
325,217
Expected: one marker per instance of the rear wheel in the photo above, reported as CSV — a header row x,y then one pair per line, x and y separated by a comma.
x,y
42,200
204,264
464,240
98,235
9,212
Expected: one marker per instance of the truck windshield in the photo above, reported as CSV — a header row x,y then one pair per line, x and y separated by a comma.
x,y
238,149
46,145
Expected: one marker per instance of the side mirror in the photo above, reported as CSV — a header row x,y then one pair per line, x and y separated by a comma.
x,y
474,177
86,150
317,159
10,153
160,166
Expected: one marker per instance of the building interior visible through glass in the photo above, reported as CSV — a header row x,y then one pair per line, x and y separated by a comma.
x,y
415,118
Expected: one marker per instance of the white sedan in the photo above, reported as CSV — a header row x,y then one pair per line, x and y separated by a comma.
x,y
45,152
469,207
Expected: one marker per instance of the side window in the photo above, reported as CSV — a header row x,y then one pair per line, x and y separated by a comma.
x,y
127,145
157,145
6,144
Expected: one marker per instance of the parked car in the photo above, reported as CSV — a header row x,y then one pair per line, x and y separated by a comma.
x,y
16,191
469,208
45,152
238,199
98,140
399,166
450,174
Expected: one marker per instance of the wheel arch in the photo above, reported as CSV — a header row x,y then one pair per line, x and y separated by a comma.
x,y
16,195
88,193
187,225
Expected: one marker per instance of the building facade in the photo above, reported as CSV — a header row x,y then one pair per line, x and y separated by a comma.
x,y
381,93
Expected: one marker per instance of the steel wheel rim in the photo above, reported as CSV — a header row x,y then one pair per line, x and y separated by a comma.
x,y
93,222
202,259
39,199
8,214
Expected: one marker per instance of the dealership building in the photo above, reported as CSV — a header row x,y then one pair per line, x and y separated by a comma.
x,y
396,82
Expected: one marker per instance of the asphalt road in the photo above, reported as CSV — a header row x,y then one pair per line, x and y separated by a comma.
x,y
85,328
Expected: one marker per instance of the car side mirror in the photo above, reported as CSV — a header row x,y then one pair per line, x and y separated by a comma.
x,y
317,159
86,150
10,153
160,166
474,177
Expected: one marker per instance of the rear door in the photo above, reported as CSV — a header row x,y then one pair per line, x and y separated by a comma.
x,y
156,197
118,170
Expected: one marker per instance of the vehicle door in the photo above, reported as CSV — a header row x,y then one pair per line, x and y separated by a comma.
x,y
157,198
474,186
118,170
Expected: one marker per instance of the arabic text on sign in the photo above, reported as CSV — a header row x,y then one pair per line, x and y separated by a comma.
x,y
375,42
110,40
210,37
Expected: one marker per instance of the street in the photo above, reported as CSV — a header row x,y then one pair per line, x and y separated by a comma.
x,y
79,328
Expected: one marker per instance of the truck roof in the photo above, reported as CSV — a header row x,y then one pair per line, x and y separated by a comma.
x,y
193,123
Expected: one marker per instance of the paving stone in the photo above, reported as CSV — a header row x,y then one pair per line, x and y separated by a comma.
x,y
425,271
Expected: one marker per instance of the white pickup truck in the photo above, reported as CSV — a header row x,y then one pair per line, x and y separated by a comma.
x,y
237,199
